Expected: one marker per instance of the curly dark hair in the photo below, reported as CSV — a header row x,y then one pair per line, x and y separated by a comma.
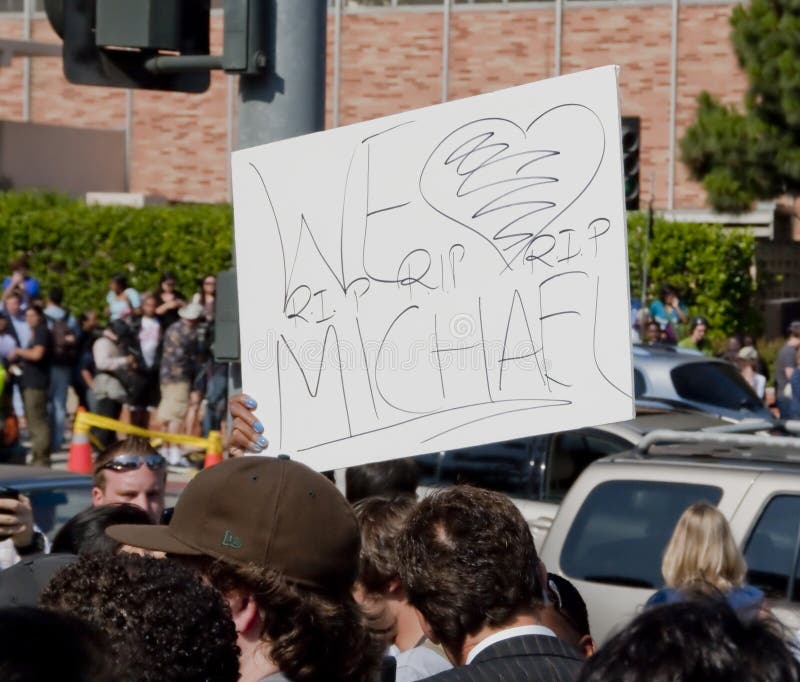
x,y
85,533
467,561
702,639
313,636
164,623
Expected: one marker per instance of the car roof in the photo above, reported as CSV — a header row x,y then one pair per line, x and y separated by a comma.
x,y
15,475
671,355
649,419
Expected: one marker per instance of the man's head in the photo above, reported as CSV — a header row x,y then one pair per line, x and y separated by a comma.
x,y
36,644
34,316
131,471
694,640
394,477
698,328
794,332
56,295
468,562
653,332
13,304
163,622
149,304
281,543
191,314
565,614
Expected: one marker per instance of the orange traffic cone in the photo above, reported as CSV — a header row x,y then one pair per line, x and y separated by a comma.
x,y
80,452
214,450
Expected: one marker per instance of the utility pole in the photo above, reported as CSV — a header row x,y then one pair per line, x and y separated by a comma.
x,y
289,98
286,100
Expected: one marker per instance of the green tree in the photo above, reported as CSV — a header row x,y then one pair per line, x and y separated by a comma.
x,y
708,264
80,247
742,155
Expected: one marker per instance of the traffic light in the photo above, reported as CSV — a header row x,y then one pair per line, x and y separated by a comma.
x,y
631,142
109,42
156,44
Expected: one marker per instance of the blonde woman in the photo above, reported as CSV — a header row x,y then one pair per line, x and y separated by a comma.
x,y
702,558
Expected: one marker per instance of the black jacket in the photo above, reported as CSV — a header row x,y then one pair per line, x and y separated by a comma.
x,y
529,658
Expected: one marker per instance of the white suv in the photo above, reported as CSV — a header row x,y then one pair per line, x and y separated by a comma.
x,y
611,528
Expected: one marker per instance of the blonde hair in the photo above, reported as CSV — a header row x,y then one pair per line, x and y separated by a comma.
x,y
702,553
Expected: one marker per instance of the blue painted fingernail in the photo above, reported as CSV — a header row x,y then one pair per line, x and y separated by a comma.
x,y
252,404
258,427
263,442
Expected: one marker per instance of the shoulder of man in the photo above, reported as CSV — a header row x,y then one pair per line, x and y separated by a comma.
x,y
520,659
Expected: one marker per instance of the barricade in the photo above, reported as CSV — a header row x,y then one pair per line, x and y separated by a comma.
x,y
80,452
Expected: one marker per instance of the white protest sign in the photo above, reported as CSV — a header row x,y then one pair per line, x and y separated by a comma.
x,y
446,277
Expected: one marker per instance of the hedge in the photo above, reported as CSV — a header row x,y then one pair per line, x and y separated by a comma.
x,y
80,247
709,265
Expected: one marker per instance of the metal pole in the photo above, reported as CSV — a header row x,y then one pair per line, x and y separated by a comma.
x,y
230,112
446,51
289,100
26,62
337,60
673,97
128,138
558,30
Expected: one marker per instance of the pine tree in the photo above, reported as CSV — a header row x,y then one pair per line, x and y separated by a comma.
x,y
741,156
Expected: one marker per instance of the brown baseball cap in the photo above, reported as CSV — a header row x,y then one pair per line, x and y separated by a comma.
x,y
271,512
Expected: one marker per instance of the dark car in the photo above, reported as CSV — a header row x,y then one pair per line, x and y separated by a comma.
x,y
56,496
669,376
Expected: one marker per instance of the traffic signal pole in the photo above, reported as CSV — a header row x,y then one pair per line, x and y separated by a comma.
x,y
288,99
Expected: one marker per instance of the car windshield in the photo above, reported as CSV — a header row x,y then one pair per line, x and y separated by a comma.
x,y
714,383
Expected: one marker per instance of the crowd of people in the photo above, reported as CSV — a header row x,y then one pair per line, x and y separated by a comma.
x,y
265,571
666,322
151,365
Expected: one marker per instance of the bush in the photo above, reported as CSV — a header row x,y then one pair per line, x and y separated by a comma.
x,y
80,247
709,265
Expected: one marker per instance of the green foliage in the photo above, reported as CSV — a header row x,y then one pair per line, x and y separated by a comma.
x,y
80,247
744,156
709,265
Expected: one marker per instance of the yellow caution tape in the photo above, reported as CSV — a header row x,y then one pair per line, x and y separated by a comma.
x,y
85,420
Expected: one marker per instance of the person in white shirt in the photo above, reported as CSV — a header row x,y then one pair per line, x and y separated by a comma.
x,y
380,591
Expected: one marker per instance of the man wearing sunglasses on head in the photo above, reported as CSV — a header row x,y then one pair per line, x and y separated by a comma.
x,y
131,471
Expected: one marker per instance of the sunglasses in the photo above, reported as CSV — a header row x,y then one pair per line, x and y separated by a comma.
x,y
133,462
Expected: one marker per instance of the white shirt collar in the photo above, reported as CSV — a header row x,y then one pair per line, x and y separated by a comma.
x,y
508,634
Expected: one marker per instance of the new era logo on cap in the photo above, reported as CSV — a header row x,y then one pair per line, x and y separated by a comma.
x,y
231,540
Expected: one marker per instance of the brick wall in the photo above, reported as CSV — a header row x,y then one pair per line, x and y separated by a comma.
x,y
392,61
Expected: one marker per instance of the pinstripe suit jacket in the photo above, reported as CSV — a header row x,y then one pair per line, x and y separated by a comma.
x,y
529,658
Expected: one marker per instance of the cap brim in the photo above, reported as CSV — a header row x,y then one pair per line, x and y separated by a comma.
x,y
156,538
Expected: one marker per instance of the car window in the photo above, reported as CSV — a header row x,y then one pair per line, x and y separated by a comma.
x,y
53,507
571,452
771,548
505,467
714,383
639,385
620,531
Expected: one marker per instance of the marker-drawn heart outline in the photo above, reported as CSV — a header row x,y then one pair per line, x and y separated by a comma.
x,y
527,237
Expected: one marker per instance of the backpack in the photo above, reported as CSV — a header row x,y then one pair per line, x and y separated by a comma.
x,y
65,343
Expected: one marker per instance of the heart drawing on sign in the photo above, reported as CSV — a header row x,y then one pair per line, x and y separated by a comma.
x,y
508,184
